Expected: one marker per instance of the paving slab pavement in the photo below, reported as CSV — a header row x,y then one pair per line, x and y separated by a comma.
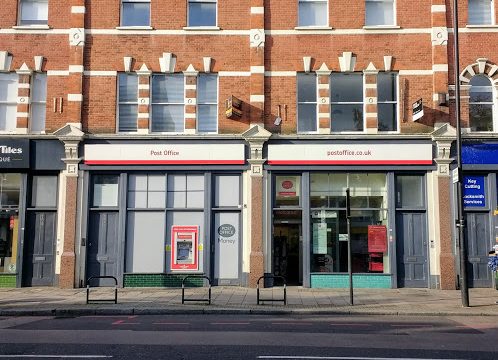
x,y
239,300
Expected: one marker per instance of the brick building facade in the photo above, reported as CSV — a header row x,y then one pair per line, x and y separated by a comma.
x,y
135,164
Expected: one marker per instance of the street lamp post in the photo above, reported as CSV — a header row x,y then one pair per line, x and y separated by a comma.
x,y
460,221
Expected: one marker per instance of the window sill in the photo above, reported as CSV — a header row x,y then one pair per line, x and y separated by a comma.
x,y
134,28
311,28
201,28
381,27
489,26
31,27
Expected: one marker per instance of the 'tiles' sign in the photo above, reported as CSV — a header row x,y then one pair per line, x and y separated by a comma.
x,y
14,153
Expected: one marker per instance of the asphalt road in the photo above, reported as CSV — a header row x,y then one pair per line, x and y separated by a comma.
x,y
248,337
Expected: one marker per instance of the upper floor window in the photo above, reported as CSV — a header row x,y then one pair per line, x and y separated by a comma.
x,y
306,103
480,12
346,102
168,103
38,102
127,102
207,103
387,101
313,12
135,12
8,101
379,12
481,104
202,13
33,12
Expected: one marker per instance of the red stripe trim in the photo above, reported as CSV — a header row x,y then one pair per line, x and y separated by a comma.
x,y
350,162
162,162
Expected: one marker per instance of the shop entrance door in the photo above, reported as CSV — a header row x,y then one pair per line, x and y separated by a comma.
x,y
102,249
226,248
288,247
411,247
478,245
39,249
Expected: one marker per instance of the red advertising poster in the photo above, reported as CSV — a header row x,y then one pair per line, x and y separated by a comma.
x,y
184,247
377,239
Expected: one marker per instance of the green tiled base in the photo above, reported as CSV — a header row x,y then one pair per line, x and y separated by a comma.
x,y
377,281
159,280
7,280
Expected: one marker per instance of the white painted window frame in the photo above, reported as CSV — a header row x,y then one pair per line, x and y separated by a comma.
x,y
19,12
165,103
134,1
42,102
395,20
216,103
201,1
317,125
313,26
398,124
493,104
10,103
349,103
118,103
492,11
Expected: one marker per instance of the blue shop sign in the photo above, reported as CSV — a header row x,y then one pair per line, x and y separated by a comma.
x,y
473,191
479,153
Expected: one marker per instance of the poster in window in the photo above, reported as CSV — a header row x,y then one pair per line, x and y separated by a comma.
x,y
184,248
377,239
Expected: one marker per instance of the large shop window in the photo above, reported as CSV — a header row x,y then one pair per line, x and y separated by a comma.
x,y
8,101
135,12
33,12
480,12
207,103
368,224
346,102
313,12
387,101
379,12
127,102
306,103
481,104
10,185
105,191
202,13
168,103
227,190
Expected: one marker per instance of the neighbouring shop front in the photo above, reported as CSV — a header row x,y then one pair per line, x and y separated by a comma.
x,y
480,168
159,211
308,237
29,171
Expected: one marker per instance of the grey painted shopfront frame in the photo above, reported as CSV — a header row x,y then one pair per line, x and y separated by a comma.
x,y
490,172
209,172
304,171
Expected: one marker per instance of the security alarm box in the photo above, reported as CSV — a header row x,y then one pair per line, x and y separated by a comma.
x,y
184,248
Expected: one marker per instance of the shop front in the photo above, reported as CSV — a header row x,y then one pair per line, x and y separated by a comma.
x,y
308,236
159,211
29,171
480,168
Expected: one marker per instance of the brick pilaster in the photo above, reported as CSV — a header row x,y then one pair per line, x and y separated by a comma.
x,y
257,63
323,80
371,111
191,100
439,38
143,120
23,99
